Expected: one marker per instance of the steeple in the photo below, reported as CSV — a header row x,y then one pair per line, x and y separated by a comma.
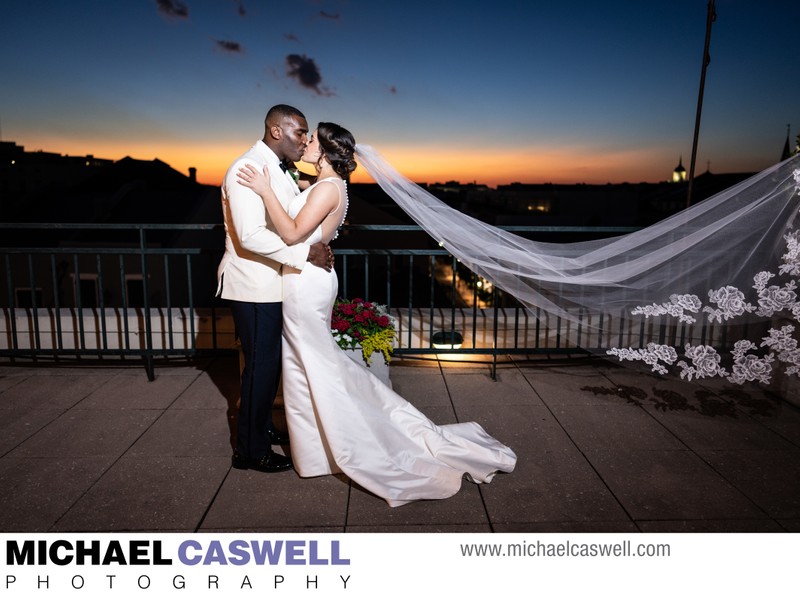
x,y
679,174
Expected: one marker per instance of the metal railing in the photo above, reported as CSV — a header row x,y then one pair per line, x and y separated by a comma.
x,y
145,291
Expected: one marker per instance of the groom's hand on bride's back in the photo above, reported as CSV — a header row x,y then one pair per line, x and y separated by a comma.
x,y
321,255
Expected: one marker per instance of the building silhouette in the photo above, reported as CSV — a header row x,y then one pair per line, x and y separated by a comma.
x,y
679,174
48,188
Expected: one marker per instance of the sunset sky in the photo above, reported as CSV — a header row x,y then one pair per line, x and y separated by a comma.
x,y
493,92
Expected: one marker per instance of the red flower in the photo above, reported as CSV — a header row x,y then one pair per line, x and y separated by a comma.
x,y
341,325
358,319
347,309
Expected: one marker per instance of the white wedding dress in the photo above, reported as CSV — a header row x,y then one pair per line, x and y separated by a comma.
x,y
342,419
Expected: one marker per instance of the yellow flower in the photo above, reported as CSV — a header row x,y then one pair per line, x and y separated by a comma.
x,y
363,323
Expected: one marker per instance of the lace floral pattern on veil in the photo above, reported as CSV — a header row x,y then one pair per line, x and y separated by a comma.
x,y
729,302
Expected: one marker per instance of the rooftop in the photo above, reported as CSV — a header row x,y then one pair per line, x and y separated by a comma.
x,y
601,447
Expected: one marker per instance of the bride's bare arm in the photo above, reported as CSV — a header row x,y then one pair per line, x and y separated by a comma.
x,y
305,180
320,202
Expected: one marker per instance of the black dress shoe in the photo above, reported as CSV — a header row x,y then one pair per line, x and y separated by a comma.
x,y
272,462
278,437
239,462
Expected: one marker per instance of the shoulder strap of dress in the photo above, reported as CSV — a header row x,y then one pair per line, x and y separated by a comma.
x,y
341,193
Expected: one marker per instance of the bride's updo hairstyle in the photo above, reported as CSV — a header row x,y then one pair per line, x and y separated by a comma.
x,y
338,146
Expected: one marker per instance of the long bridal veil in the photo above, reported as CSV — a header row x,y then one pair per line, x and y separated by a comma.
x,y
732,258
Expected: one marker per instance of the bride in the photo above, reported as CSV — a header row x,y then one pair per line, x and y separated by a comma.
x,y
341,418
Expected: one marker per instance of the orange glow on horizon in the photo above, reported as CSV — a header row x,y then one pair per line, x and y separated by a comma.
x,y
424,164
495,167
211,161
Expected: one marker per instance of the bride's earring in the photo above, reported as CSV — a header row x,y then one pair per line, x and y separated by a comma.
x,y
323,162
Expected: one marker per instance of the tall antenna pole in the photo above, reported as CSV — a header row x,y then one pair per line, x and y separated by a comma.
x,y
711,17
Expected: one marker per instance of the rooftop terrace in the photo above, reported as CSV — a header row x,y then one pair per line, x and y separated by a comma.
x,y
602,448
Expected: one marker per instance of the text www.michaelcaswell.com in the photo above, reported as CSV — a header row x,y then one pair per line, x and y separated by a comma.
x,y
565,549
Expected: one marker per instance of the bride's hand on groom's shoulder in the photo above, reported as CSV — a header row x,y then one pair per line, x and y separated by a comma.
x,y
252,178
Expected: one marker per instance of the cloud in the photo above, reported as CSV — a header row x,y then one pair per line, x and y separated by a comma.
x,y
290,37
305,70
393,89
240,8
233,47
329,15
173,8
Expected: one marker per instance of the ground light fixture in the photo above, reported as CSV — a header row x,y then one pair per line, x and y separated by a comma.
x,y
447,340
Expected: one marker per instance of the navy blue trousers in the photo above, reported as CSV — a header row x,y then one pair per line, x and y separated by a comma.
x,y
258,326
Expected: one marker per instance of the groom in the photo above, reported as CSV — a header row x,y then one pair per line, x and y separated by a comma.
x,y
249,277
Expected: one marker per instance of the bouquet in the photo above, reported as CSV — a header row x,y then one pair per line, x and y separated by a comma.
x,y
364,324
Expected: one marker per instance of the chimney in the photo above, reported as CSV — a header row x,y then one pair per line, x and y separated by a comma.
x,y
193,173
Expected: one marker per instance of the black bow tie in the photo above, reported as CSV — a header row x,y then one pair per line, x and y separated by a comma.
x,y
283,166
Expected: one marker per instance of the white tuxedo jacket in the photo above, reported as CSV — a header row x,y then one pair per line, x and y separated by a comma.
x,y
254,252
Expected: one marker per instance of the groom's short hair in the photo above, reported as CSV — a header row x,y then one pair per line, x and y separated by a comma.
x,y
280,111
